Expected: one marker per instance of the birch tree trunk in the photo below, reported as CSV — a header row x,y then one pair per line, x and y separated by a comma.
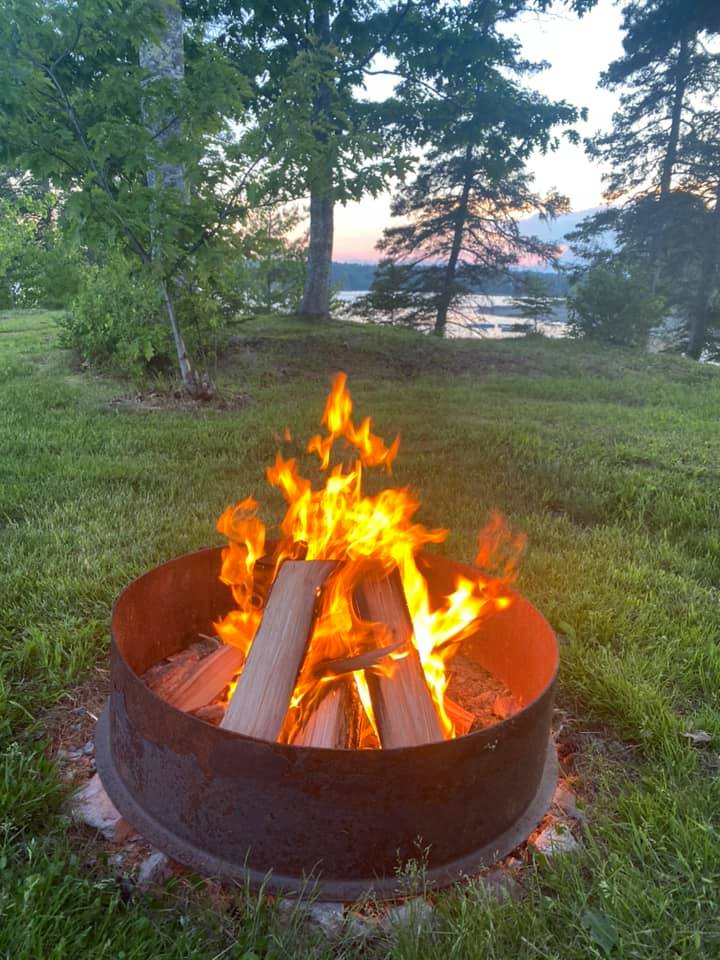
x,y
164,59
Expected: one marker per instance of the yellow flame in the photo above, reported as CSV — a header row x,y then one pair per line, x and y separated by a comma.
x,y
337,521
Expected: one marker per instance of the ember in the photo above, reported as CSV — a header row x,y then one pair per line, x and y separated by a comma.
x,y
400,641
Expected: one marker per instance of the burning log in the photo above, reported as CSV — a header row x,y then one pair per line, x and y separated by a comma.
x,y
404,712
263,692
331,723
361,661
208,680
462,719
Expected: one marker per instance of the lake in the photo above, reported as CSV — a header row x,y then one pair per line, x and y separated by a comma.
x,y
492,317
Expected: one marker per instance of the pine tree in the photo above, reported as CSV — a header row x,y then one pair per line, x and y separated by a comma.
x,y
479,126
666,73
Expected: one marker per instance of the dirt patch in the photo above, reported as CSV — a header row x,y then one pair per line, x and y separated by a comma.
x,y
176,401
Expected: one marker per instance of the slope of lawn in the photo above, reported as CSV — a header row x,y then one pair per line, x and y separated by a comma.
x,y
609,460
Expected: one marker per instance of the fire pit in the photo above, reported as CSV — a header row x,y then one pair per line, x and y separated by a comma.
x,y
338,757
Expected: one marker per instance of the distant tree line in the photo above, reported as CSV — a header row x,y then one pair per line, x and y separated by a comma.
x,y
359,277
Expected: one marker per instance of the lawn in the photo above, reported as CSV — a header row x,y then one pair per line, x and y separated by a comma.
x,y
608,459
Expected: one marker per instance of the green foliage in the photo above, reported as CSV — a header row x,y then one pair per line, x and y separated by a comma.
x,y
533,299
147,156
312,128
663,160
394,295
610,304
462,83
116,319
39,264
263,268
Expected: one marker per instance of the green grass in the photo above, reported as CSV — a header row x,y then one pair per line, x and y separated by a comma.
x,y
608,459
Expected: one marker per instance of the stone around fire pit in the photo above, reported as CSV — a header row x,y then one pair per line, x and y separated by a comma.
x,y
91,805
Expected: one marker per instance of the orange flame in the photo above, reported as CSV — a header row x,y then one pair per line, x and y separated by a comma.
x,y
337,521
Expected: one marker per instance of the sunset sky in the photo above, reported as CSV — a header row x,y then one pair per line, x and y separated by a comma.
x,y
577,50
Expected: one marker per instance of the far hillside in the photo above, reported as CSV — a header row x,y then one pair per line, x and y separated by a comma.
x,y
359,276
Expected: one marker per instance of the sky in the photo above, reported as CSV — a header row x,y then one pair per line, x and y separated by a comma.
x,y
578,50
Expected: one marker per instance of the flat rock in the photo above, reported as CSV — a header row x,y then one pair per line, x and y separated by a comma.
x,y
329,917
92,806
566,801
499,883
555,839
415,914
154,869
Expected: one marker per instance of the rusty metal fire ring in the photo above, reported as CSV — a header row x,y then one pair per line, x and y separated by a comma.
x,y
337,822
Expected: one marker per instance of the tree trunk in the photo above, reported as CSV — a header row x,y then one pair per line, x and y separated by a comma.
x,y
710,275
186,371
446,292
164,59
670,159
681,75
316,293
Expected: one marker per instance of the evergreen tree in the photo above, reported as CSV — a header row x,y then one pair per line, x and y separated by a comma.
x,y
395,294
478,126
533,299
666,74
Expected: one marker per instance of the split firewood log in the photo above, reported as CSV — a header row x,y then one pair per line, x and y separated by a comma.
x,y
403,707
331,722
262,695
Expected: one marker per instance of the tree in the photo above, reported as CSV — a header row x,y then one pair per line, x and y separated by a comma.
x,y
77,107
611,304
264,269
318,137
701,178
395,294
533,299
666,74
163,58
478,126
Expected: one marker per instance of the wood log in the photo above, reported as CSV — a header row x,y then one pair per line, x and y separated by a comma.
x,y
262,695
404,711
462,719
167,676
209,679
362,661
330,723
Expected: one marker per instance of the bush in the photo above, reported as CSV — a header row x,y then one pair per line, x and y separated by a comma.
x,y
118,320
612,305
39,264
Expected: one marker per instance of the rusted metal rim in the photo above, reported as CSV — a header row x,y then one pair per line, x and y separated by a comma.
x,y
339,822
319,885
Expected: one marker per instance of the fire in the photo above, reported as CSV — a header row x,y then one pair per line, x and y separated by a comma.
x,y
336,520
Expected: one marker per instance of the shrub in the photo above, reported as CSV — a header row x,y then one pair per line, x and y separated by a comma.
x,y
612,305
117,319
